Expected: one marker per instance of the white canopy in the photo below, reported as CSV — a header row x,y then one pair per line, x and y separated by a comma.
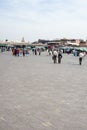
x,y
73,43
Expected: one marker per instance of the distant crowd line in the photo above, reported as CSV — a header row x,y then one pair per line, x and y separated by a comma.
x,y
55,53
23,51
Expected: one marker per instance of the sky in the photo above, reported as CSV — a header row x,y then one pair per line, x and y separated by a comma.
x,y
43,19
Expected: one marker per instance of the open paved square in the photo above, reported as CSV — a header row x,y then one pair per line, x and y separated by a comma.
x,y
36,94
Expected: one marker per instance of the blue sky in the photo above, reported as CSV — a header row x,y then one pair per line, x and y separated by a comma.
x,y
43,19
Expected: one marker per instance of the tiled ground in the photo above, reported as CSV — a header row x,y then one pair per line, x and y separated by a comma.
x,y
36,94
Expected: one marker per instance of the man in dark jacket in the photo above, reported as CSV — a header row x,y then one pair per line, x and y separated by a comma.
x,y
59,57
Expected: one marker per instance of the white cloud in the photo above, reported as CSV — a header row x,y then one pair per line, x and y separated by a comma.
x,y
49,19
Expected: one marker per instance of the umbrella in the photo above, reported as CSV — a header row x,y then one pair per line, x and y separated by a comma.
x,y
83,49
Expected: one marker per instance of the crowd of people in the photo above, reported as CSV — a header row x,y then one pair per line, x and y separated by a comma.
x,y
56,54
37,51
23,51
19,51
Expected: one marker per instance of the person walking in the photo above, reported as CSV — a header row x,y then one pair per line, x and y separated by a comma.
x,y
54,57
23,52
35,51
59,57
81,55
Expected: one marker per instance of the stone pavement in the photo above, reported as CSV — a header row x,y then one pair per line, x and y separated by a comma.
x,y
36,94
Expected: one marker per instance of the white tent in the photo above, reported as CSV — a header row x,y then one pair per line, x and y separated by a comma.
x,y
72,43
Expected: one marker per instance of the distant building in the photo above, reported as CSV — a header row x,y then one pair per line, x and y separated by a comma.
x,y
83,43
